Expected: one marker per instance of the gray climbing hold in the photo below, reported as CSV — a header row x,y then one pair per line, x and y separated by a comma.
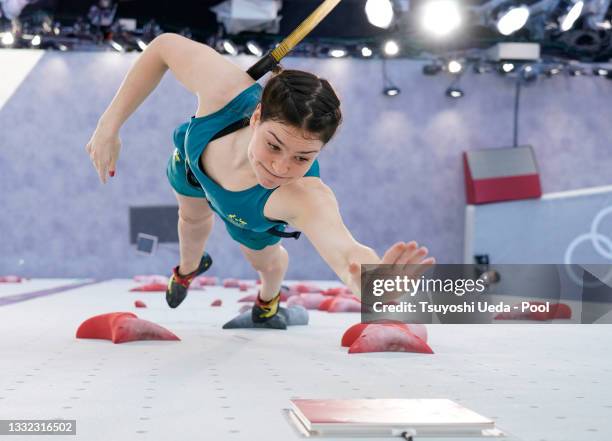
x,y
293,316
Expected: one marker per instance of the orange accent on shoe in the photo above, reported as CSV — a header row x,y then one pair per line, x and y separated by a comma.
x,y
183,280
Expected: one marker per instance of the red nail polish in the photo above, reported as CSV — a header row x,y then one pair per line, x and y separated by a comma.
x,y
112,173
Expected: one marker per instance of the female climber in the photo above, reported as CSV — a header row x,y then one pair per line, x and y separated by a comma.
x,y
249,155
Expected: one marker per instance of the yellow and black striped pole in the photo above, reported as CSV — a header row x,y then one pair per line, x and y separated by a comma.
x,y
273,57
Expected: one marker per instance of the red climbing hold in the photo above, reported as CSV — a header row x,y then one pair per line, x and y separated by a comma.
x,y
122,327
216,302
11,279
205,281
306,288
388,339
231,283
139,304
150,287
336,291
324,305
344,304
351,334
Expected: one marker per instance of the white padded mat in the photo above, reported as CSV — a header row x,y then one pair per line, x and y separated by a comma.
x,y
539,382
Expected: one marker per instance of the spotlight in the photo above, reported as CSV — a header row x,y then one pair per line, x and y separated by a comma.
x,y
366,52
441,17
141,44
600,72
454,92
379,13
572,15
391,90
7,38
391,48
36,40
507,67
254,48
432,69
116,46
454,66
337,53
512,20
62,47
229,47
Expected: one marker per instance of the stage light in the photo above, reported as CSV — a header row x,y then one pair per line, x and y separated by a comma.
x,y
454,66
116,46
366,52
229,47
512,20
7,38
254,48
441,17
572,15
507,67
391,48
379,13
337,53
391,91
454,92
36,40
141,44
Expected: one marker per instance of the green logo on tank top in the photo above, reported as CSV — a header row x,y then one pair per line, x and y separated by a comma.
x,y
236,220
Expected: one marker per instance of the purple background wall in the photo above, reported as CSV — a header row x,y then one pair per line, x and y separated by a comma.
x,y
395,165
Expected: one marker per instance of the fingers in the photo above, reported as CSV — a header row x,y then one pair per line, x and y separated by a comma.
x,y
394,253
410,256
424,266
101,168
101,173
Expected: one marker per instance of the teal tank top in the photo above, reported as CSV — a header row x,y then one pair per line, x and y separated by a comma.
x,y
244,209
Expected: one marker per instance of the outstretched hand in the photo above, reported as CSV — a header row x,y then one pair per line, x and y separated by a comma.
x,y
412,257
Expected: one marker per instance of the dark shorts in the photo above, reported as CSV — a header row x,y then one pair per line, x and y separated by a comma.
x,y
175,171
